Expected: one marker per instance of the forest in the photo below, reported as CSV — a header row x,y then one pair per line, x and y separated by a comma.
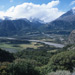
x,y
40,61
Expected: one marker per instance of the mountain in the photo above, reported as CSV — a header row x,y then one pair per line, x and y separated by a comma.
x,y
63,24
19,27
70,12
15,27
68,16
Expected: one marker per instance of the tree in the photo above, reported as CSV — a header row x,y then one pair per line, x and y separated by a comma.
x,y
22,67
62,61
6,56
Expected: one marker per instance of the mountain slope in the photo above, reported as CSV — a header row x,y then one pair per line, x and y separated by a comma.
x,y
62,25
18,27
66,22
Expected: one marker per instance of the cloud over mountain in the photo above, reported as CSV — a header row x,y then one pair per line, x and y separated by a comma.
x,y
46,12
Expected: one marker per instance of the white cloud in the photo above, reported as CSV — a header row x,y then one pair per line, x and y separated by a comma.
x,y
46,12
72,3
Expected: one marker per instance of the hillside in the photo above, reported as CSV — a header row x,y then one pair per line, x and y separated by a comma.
x,y
6,56
18,27
21,27
72,37
64,24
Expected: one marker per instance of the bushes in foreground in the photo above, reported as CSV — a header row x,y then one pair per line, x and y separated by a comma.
x,y
62,61
6,56
22,67
28,65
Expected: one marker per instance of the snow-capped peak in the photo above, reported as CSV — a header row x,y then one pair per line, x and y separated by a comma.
x,y
73,9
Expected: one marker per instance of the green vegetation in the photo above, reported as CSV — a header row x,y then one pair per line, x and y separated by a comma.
x,y
37,59
34,45
40,56
22,67
18,46
32,58
62,61
6,56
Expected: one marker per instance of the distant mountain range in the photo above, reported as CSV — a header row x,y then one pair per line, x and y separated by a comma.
x,y
18,27
62,25
65,23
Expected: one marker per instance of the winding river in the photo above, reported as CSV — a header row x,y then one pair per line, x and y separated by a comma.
x,y
49,43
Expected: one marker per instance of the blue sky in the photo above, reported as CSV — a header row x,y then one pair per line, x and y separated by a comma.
x,y
64,4
46,10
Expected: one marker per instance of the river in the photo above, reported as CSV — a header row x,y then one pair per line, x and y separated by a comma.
x,y
49,43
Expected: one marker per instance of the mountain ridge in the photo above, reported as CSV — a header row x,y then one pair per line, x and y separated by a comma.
x,y
62,25
65,22
18,27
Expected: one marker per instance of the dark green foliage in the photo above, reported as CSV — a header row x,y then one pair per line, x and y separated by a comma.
x,y
62,61
6,56
3,68
18,42
66,47
40,61
14,41
22,67
41,56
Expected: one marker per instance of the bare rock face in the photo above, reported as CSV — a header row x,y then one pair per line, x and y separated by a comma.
x,y
72,37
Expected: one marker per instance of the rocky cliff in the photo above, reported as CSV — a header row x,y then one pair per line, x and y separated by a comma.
x,y
72,37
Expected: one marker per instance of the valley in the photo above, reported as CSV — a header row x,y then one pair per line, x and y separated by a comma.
x,y
34,47
14,44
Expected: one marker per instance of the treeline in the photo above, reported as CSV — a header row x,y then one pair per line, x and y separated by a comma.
x,y
6,56
14,41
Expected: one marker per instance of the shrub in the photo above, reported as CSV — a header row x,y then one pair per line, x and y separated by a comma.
x,y
6,56
22,67
62,61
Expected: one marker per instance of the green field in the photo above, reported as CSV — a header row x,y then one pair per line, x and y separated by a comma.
x,y
19,47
